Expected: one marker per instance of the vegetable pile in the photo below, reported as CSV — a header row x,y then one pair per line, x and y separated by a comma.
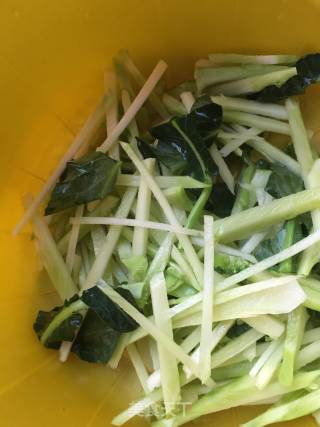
x,y
183,228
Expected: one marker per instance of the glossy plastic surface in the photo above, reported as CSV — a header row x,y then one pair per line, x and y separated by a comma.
x,y
52,57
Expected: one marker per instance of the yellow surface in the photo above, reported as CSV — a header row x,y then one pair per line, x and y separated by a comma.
x,y
52,57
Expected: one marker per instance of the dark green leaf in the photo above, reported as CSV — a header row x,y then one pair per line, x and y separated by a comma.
x,y
66,331
305,221
165,154
221,200
270,246
96,340
238,329
181,147
90,178
314,318
110,312
277,243
308,72
201,101
282,181
290,151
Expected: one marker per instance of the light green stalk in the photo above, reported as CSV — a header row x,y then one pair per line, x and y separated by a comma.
x,y
101,262
287,265
54,264
295,329
205,77
185,242
237,58
254,84
242,201
102,209
311,288
295,409
274,154
253,120
174,106
310,173
311,256
248,106
139,78
178,197
140,235
235,393
246,223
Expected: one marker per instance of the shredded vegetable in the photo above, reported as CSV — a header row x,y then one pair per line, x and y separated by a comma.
x,y
189,239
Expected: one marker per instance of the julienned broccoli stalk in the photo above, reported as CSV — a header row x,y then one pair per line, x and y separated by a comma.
x,y
164,182
139,366
238,392
275,298
242,201
234,347
289,238
267,263
237,58
274,111
170,381
240,306
259,122
140,235
168,211
132,69
308,354
53,261
150,328
300,139
266,324
294,334
231,372
270,367
102,209
310,171
224,170
255,83
158,265
245,223
173,105
219,331
207,301
101,262
188,100
205,77
138,102
178,197
198,207
297,408
177,257
311,256
274,154
311,288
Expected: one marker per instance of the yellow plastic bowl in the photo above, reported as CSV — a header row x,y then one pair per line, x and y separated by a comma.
x,y
52,58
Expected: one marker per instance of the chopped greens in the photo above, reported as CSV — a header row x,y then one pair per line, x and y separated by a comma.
x,y
90,178
189,238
